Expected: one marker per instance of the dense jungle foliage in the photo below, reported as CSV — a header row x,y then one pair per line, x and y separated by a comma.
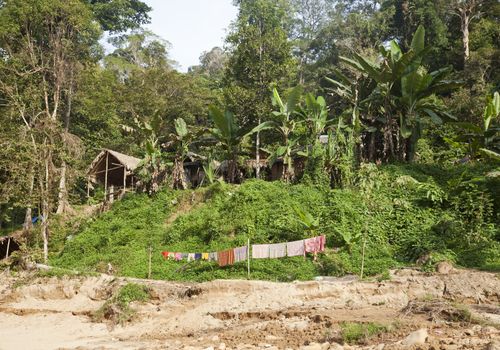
x,y
408,215
378,121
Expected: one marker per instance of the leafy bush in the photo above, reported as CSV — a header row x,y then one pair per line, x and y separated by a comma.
x,y
399,222
354,332
117,309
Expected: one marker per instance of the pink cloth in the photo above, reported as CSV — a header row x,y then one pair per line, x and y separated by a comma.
x,y
315,244
178,256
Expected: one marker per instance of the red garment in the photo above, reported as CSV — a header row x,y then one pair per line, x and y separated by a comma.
x,y
165,255
315,244
225,257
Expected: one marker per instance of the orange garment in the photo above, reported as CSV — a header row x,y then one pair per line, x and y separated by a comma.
x,y
225,257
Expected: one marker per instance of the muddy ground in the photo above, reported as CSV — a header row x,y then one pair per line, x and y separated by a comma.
x,y
456,310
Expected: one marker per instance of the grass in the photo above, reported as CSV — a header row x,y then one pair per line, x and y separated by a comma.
x,y
117,310
356,332
402,224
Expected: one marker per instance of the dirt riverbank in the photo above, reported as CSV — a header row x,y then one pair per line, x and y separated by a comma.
x,y
457,310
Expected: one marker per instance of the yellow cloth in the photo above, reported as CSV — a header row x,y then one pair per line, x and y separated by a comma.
x,y
204,256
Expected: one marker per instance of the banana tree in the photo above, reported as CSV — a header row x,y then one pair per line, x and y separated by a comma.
x,y
403,94
285,125
152,167
315,116
180,140
230,136
483,140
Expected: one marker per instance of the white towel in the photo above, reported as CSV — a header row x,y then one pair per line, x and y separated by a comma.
x,y
190,256
260,251
277,250
295,248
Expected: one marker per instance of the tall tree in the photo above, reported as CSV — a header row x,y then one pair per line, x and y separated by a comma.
x,y
260,59
120,15
467,11
40,42
310,17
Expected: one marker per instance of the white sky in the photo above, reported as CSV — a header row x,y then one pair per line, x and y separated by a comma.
x,y
191,26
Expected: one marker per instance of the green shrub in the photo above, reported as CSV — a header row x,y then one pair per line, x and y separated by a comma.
x,y
354,332
117,309
399,221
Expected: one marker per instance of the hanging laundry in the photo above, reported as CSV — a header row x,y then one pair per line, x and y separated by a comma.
x,y
171,255
212,256
240,254
165,255
277,250
197,256
225,257
322,243
295,248
178,256
260,251
190,256
184,256
204,256
315,244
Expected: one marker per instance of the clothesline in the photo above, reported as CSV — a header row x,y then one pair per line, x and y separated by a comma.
x,y
259,251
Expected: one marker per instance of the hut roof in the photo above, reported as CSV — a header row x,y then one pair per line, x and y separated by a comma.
x,y
129,162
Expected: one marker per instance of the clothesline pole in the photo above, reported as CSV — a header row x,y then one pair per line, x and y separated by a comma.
x,y
150,251
248,258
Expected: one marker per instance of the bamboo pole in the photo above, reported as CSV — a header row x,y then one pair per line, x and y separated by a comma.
x,y
106,178
8,247
102,171
124,178
88,187
150,250
248,258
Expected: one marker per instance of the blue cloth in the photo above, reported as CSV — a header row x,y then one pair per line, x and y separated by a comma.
x,y
197,256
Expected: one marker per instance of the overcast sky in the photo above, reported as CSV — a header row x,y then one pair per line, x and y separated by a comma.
x,y
191,26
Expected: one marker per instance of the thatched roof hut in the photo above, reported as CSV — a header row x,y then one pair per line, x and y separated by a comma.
x,y
112,168
10,243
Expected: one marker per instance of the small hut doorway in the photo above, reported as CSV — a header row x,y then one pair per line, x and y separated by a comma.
x,y
8,245
115,171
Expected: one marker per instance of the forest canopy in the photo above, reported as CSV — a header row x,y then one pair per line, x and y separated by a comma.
x,y
323,88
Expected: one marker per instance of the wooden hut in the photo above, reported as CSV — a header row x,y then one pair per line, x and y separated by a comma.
x,y
10,244
114,170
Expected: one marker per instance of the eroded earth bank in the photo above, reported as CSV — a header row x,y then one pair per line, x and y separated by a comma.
x,y
411,310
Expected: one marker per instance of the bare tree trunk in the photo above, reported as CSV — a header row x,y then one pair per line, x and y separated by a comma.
x,y
44,192
371,148
465,34
257,152
63,193
179,181
63,203
28,224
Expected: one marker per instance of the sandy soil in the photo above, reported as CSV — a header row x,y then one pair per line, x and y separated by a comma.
x,y
418,308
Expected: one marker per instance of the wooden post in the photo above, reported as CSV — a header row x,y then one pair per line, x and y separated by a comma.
x,y
106,178
363,258
150,250
8,247
124,178
88,187
248,258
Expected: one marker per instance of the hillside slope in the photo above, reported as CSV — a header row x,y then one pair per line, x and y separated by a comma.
x,y
403,220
